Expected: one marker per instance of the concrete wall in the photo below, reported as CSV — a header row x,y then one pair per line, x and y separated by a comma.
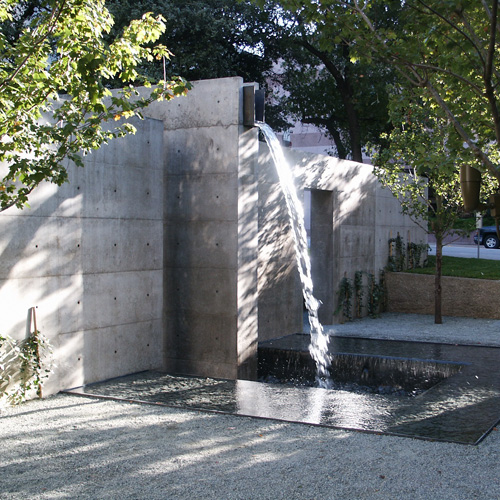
x,y
462,297
89,257
148,257
352,220
210,232
171,248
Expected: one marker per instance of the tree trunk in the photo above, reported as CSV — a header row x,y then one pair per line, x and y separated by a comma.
x,y
344,87
341,151
354,132
438,318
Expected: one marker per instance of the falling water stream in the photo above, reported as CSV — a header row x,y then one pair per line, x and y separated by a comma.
x,y
318,346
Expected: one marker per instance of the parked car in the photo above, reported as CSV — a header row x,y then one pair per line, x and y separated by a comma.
x,y
487,237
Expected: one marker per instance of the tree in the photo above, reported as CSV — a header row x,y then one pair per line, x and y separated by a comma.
x,y
325,86
448,49
218,38
348,101
49,47
420,171
209,38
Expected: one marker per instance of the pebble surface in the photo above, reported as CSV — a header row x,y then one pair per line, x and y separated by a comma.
x,y
69,446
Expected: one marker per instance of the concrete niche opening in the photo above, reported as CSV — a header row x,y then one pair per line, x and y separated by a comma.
x,y
320,215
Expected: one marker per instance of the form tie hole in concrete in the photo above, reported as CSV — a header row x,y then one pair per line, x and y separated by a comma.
x,y
147,294
147,244
115,298
36,246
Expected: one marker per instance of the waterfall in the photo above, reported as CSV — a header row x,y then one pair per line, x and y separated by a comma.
x,y
318,346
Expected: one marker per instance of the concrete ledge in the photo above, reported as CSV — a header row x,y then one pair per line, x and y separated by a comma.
x,y
414,293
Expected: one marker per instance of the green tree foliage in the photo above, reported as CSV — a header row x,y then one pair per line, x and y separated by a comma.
x,y
218,38
446,48
420,170
209,38
348,101
54,47
325,86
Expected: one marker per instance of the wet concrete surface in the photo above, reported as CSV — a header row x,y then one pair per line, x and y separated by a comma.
x,y
463,407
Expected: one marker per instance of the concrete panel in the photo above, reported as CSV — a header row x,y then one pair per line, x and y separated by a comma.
x,y
202,197
115,192
94,355
118,298
119,245
211,150
132,175
201,290
202,244
248,253
140,150
210,103
357,241
39,246
53,297
212,345
321,251
43,246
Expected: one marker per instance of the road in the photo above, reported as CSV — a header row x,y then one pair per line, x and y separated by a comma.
x,y
468,251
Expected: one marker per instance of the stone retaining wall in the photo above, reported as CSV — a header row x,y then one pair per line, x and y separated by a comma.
x,y
414,293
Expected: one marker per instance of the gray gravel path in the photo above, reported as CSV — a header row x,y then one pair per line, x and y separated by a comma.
x,y
76,447
418,327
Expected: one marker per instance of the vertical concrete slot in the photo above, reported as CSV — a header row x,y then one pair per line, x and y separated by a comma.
x,y
321,249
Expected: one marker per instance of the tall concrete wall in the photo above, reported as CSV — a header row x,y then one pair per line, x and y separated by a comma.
x,y
148,257
89,257
210,232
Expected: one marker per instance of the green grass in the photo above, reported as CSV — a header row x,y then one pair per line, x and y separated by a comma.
x,y
463,268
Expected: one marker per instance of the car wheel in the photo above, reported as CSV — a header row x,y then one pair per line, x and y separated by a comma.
x,y
491,241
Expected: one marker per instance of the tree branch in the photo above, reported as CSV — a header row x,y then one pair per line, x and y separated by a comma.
x,y
54,18
463,133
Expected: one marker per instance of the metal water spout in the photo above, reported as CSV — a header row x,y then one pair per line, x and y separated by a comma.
x,y
253,105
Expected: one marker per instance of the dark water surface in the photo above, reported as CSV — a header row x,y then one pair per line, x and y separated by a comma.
x,y
457,389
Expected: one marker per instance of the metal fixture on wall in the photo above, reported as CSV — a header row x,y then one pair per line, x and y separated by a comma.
x,y
253,105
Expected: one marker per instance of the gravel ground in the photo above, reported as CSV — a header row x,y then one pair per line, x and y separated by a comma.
x,y
69,446
418,327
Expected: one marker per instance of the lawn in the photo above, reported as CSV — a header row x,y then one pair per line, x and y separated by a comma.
x,y
463,268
